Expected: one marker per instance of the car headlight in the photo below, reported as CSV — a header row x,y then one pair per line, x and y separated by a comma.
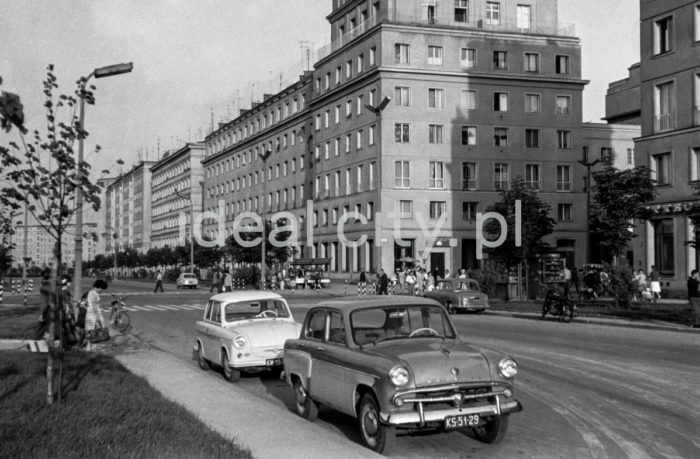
x,y
240,342
465,301
399,376
508,368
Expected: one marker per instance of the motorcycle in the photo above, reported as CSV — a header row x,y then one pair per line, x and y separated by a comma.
x,y
558,305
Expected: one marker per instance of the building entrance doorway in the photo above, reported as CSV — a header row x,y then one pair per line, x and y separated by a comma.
x,y
437,264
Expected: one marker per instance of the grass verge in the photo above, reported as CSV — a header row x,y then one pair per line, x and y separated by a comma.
x,y
106,412
19,322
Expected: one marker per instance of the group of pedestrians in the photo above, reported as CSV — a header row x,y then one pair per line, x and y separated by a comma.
x,y
74,322
221,281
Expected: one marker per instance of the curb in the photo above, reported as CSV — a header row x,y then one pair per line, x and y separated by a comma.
x,y
612,322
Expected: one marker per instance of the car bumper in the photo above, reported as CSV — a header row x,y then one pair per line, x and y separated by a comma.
x,y
257,360
421,417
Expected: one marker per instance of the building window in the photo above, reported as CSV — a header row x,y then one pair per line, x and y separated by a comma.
x,y
401,133
348,140
564,140
532,138
562,64
532,62
434,55
493,13
436,98
563,178
532,103
523,18
664,255
360,63
401,53
630,156
437,209
607,156
697,22
360,188
360,104
467,58
696,105
500,137
695,164
436,179
405,209
469,176
662,35
500,60
461,10
664,107
372,184
563,105
358,144
533,180
468,135
348,109
348,181
565,212
468,99
371,139
469,211
435,133
402,174
373,56
661,169
370,210
500,101
501,176
402,96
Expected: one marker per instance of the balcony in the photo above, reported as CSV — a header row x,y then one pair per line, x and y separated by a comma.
x,y
664,122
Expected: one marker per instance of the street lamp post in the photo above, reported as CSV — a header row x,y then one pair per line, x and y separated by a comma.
x,y
264,155
101,72
588,166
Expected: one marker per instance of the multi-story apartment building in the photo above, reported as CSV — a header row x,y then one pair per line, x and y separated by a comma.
x,y
610,144
128,210
419,114
670,140
176,194
41,245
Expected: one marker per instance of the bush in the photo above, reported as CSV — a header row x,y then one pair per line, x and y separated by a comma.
x,y
171,274
247,273
622,285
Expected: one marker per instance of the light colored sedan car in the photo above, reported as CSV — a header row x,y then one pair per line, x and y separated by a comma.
x,y
187,280
244,331
398,364
459,295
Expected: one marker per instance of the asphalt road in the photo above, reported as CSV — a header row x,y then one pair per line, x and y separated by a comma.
x,y
587,390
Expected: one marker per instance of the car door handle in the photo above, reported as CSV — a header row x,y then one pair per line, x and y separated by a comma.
x,y
320,348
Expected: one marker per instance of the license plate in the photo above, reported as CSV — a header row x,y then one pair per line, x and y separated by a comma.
x,y
273,362
461,420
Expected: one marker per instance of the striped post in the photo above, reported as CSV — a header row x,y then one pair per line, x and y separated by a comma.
x,y
346,286
372,290
2,286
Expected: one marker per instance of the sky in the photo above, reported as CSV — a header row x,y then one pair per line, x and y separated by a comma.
x,y
194,59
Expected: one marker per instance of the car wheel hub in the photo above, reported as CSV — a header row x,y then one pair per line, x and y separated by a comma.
x,y
371,423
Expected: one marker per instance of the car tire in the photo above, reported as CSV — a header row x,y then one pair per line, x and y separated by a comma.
x,y
375,435
479,311
493,430
230,374
203,363
567,312
450,308
305,406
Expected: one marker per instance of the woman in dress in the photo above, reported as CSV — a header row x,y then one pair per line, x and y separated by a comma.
x,y
94,313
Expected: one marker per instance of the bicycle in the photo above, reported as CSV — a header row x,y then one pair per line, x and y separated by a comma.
x,y
120,319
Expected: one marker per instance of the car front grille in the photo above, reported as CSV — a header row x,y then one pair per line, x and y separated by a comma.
x,y
453,395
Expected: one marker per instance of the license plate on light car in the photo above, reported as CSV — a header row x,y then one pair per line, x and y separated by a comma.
x,y
273,362
461,421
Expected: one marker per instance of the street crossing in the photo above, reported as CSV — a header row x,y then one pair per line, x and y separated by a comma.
x,y
163,307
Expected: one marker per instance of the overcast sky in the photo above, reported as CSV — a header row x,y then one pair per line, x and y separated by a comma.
x,y
192,56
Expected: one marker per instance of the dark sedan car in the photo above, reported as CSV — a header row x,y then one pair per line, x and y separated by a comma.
x,y
459,295
398,363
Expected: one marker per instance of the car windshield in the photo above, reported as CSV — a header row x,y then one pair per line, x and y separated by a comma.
x,y
187,276
467,285
259,309
443,286
371,326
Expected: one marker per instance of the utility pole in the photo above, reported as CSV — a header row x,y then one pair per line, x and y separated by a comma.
x,y
588,165
264,155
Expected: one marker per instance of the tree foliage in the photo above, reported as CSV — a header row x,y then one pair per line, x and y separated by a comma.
x,y
273,254
618,199
535,224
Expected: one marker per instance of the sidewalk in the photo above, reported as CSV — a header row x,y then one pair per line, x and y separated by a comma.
x,y
267,429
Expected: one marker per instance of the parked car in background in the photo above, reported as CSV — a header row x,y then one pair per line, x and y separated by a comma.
x,y
244,331
459,295
398,363
187,280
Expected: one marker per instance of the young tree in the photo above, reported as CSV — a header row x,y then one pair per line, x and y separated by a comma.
x,y
46,176
535,224
618,200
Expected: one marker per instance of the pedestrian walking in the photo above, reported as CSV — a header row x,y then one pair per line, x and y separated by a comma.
x,y
215,282
46,313
93,313
694,298
362,284
159,282
383,283
411,283
567,281
655,279
227,282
